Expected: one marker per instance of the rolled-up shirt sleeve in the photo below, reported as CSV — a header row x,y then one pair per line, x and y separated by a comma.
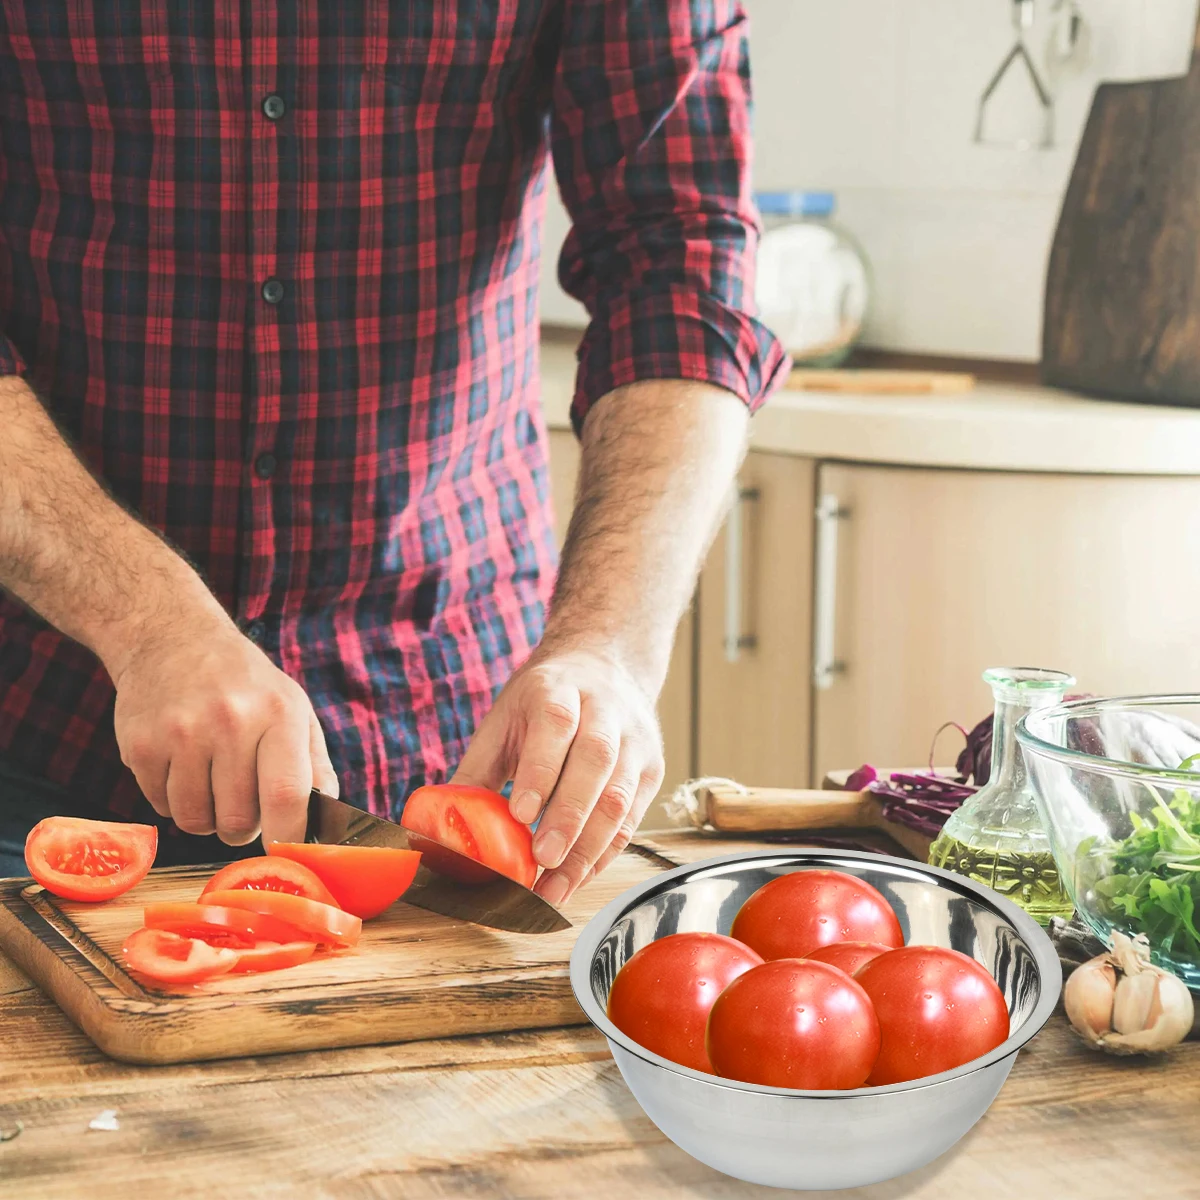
x,y
650,134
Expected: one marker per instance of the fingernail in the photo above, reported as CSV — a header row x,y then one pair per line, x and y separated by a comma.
x,y
554,890
550,848
526,807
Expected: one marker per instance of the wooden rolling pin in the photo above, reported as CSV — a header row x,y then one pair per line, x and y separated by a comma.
x,y
778,810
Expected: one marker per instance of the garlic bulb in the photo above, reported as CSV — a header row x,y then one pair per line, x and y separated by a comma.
x,y
1119,1002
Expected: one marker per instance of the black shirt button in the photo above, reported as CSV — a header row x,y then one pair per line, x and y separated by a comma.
x,y
273,107
256,631
264,466
272,291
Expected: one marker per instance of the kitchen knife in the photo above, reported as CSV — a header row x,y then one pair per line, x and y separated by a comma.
x,y
499,902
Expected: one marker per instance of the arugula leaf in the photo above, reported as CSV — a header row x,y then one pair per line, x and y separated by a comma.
x,y
1151,879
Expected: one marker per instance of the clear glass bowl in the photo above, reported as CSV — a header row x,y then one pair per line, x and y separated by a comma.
x,y
1119,795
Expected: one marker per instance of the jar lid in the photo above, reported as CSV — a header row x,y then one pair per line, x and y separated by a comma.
x,y
795,204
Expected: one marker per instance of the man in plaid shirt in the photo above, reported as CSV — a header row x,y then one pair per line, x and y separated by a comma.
x,y
273,486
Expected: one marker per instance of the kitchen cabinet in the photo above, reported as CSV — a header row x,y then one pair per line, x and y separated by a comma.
x,y
754,699
675,705
1009,526
940,574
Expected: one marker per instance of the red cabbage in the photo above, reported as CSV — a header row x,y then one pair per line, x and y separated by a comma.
x,y
861,778
924,800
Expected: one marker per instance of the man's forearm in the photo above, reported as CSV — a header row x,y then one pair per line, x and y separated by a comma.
x,y
658,462
69,551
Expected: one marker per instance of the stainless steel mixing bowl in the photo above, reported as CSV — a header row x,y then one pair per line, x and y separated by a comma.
x,y
813,1140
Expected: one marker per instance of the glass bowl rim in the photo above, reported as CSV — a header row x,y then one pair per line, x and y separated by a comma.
x,y
1118,767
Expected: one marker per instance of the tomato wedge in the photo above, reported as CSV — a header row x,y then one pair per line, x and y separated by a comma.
x,y
316,922
272,956
77,859
475,822
364,880
169,958
231,927
270,874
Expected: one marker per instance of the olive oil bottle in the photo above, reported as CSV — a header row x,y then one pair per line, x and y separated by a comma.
x,y
996,837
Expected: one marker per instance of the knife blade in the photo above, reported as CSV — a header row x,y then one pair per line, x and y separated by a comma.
x,y
499,902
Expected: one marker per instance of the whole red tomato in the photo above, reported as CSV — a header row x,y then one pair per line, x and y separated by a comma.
x,y
937,1009
795,914
794,1023
848,956
661,997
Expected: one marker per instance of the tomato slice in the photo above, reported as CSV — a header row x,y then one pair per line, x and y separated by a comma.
x,y
475,822
316,922
273,956
231,927
169,958
364,880
270,874
78,859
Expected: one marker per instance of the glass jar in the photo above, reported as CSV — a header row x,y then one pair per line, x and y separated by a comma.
x,y
813,283
997,837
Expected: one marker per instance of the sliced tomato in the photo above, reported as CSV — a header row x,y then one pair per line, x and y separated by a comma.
x,y
219,925
169,958
273,956
316,922
364,880
476,823
268,873
78,859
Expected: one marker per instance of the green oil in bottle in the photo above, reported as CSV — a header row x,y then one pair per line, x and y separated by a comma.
x,y
997,837
1028,878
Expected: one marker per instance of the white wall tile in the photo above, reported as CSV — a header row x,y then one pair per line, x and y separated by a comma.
x,y
1167,31
826,88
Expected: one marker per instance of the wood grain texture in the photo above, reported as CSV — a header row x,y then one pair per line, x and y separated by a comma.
x,y
779,810
880,382
944,573
414,975
525,1116
1122,313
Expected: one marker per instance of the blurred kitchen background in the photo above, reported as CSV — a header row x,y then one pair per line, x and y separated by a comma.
x,y
888,547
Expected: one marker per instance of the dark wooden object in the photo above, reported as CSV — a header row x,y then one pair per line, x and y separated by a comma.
x,y
1122,311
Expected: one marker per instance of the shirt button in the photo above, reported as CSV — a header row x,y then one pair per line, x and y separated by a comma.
x,y
264,466
273,107
256,631
272,291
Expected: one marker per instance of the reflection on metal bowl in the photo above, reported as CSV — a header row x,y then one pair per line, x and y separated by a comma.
x,y
813,1140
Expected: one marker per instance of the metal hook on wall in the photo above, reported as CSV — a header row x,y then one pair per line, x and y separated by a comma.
x,y
1023,14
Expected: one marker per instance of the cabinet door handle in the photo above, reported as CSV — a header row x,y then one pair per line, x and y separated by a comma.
x,y
825,663
735,639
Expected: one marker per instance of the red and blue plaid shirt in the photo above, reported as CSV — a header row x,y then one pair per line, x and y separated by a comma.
x,y
273,268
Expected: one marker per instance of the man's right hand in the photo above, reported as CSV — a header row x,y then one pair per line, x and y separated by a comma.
x,y
219,738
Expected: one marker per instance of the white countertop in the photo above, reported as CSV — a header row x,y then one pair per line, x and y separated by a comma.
x,y
1007,427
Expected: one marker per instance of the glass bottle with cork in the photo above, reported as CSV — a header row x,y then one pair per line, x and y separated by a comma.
x,y
996,837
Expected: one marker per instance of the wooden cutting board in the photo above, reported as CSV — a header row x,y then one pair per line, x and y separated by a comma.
x,y
414,975
879,382
1122,311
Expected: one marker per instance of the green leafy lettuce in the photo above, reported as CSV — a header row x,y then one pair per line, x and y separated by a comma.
x,y
1150,881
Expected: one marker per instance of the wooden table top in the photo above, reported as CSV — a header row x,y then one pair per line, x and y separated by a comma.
x,y
523,1116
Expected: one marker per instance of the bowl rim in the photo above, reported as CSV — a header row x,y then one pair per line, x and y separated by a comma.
x,y
1031,933
1117,767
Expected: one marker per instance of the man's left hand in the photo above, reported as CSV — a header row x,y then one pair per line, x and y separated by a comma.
x,y
578,736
